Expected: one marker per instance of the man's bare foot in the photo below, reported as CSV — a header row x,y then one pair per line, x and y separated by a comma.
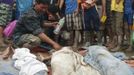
x,y
129,49
2,49
7,53
116,48
82,51
111,46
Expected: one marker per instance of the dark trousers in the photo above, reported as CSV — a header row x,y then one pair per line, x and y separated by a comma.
x,y
91,19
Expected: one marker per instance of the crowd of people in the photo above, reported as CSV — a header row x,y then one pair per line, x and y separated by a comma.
x,y
87,22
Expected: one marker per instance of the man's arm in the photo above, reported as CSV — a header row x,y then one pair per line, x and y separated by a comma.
x,y
32,24
77,9
50,24
46,39
61,3
58,2
103,7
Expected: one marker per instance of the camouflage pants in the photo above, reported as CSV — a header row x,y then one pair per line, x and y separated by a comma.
x,y
117,23
29,40
5,14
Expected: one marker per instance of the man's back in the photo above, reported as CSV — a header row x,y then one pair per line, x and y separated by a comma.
x,y
28,23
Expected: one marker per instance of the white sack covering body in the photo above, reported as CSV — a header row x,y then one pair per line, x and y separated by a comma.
x,y
27,62
67,62
103,61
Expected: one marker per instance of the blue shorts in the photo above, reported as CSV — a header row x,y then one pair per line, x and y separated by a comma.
x,y
128,18
91,19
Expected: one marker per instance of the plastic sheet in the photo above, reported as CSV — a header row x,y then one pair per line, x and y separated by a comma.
x,y
103,61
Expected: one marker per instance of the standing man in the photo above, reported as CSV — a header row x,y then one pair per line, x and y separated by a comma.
x,y
108,23
106,11
5,17
117,23
29,32
22,6
73,21
128,21
92,21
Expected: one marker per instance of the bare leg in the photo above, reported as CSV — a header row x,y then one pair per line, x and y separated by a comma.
x,y
128,37
77,38
1,36
2,44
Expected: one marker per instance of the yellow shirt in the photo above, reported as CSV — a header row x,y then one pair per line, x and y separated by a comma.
x,y
117,7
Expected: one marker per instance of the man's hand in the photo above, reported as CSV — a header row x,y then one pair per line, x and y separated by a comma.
x,y
76,11
46,39
103,14
56,46
51,17
86,5
50,24
54,24
82,52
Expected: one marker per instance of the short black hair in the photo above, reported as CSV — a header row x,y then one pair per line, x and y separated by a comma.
x,y
53,9
43,1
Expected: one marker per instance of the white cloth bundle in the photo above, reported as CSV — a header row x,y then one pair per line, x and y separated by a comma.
x,y
27,62
67,62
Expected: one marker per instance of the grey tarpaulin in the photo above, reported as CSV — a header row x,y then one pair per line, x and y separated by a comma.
x,y
103,61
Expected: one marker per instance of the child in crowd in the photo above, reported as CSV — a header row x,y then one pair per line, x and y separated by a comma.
x,y
108,23
73,21
91,21
117,24
128,21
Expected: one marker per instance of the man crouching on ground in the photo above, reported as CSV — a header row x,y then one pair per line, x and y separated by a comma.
x,y
29,32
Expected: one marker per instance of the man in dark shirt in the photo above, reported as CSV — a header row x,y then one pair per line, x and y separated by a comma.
x,y
28,32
